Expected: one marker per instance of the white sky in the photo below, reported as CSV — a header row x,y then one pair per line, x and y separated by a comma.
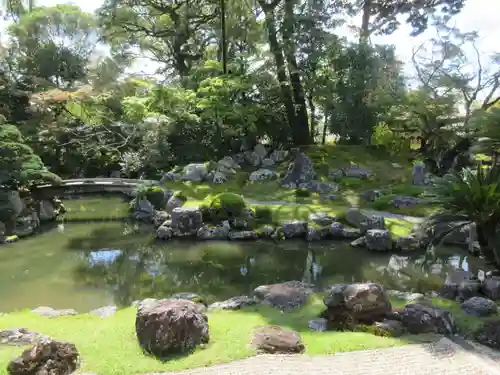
x,y
479,15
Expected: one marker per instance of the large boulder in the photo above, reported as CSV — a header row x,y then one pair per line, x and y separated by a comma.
x,y
491,287
46,357
195,172
186,221
419,318
360,302
290,294
364,221
299,171
47,210
143,210
378,240
479,306
276,340
452,283
170,326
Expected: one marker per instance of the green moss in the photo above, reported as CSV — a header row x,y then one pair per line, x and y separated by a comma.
x,y
263,215
227,205
302,193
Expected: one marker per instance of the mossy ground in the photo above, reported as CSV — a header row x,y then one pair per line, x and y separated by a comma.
x,y
108,345
392,180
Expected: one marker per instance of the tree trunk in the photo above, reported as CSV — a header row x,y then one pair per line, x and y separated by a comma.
x,y
223,43
302,123
486,236
364,32
325,126
286,93
314,123
10,226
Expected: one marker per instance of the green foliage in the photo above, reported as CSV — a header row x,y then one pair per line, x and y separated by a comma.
x,y
302,193
394,144
18,164
263,215
407,190
471,196
180,195
227,205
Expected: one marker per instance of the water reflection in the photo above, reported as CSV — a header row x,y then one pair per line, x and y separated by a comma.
x,y
89,265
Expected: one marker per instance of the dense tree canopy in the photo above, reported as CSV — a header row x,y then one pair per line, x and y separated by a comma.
x,y
290,78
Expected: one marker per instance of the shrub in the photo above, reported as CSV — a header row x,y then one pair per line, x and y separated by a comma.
x,y
383,203
263,215
302,193
227,205
156,196
152,193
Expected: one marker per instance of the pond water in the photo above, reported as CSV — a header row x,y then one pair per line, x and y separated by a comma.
x,y
86,266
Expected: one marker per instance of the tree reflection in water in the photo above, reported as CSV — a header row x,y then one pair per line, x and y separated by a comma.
x,y
143,268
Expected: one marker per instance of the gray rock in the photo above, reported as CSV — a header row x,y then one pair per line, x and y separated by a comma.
x,y
220,232
243,235
260,150
321,218
173,202
337,230
171,176
193,297
418,318
233,303
300,170
165,232
491,287
452,283
47,211
266,230
349,233
378,240
359,242
418,174
160,217
49,312
105,311
143,210
262,175
357,172
277,156
186,221
400,201
370,195
317,233
318,325
320,187
267,162
227,163
407,296
294,228
290,294
364,221
335,174
391,328
195,172
468,289
252,158
407,243
479,306
20,337
219,178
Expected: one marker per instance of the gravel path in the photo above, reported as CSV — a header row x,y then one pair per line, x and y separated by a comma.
x,y
443,357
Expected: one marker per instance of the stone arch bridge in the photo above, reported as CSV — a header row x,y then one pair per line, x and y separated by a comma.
x,y
83,186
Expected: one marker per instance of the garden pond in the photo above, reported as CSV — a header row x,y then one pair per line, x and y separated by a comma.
x,y
88,265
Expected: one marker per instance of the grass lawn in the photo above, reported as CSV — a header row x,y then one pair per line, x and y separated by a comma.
x,y
108,346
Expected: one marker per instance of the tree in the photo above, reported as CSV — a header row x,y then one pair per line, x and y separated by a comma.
x,y
53,44
471,196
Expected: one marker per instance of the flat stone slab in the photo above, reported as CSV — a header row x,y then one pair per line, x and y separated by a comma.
x,y
443,357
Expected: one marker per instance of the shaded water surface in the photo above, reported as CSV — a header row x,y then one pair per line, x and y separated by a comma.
x,y
85,266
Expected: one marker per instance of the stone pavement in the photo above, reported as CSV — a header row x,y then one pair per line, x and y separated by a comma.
x,y
444,357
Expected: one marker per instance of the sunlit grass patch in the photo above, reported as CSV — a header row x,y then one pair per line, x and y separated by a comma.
x,y
108,346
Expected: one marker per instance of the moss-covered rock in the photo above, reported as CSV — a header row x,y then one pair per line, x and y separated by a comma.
x,y
225,206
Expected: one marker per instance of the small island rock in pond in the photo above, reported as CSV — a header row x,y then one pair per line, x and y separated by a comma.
x,y
171,326
276,340
290,294
46,357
